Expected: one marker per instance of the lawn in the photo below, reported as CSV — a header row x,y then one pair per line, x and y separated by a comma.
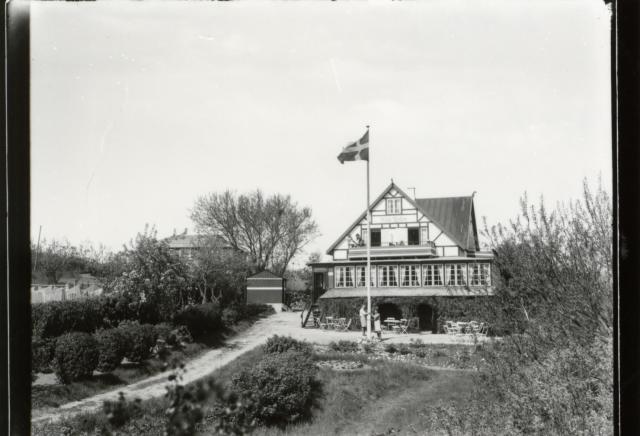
x,y
383,397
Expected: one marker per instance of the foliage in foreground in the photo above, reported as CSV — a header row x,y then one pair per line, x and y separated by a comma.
x,y
282,344
555,287
280,389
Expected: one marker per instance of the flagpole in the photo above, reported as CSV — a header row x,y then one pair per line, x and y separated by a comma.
x,y
368,248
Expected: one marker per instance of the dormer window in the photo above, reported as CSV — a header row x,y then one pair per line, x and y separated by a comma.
x,y
394,206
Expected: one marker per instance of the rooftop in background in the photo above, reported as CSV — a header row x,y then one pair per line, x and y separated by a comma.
x,y
192,241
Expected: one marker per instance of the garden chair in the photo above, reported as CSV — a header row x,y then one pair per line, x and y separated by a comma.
x,y
344,327
484,329
404,325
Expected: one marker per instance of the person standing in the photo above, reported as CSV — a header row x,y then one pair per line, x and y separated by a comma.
x,y
376,323
363,319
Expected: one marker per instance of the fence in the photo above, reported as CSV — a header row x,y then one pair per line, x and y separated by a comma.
x,y
46,293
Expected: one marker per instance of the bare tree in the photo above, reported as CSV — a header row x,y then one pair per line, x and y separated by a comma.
x,y
272,230
54,258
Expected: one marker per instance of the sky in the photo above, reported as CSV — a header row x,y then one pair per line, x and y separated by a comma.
x,y
139,108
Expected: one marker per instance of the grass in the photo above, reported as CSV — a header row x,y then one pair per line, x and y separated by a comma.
x,y
388,397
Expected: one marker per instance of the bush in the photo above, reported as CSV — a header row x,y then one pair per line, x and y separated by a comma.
x,y
163,331
281,344
76,356
280,389
112,345
140,338
55,318
230,316
390,348
344,346
42,354
200,319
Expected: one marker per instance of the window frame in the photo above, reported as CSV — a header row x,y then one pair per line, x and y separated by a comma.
x,y
396,201
386,270
413,282
341,276
428,272
363,268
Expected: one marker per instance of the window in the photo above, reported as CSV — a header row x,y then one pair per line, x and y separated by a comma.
x,y
344,277
388,275
432,275
456,274
413,236
394,206
361,276
410,275
376,237
480,274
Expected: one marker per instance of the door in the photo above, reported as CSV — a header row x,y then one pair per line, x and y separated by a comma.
x,y
375,238
413,236
318,285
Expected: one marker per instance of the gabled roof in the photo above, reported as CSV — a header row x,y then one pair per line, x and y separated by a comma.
x,y
453,215
191,241
264,275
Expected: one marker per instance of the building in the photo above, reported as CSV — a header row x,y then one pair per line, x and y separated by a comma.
x,y
185,245
265,288
425,258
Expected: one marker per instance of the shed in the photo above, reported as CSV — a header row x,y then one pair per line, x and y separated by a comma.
x,y
265,288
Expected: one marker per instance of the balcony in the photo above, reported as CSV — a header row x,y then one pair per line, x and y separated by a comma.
x,y
427,249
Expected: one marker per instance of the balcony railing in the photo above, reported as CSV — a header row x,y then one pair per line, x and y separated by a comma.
x,y
425,249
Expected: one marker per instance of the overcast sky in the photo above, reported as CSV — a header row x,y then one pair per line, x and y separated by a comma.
x,y
139,108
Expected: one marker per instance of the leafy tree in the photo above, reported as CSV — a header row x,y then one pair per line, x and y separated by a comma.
x,y
553,375
54,258
217,271
272,230
155,278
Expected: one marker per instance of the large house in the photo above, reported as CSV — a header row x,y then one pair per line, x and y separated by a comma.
x,y
426,261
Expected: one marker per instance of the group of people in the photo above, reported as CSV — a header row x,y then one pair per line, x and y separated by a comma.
x,y
365,318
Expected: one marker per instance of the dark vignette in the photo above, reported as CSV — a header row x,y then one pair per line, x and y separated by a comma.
x,y
18,219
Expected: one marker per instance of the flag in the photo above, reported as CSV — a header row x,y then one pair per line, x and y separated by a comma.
x,y
358,150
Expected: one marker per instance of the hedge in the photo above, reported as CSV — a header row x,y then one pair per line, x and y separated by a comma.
x,y
201,319
76,356
112,345
140,338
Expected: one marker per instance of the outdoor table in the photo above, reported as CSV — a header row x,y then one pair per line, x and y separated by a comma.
x,y
330,322
463,326
391,322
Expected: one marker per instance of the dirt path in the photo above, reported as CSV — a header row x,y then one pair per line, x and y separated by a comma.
x,y
282,323
200,367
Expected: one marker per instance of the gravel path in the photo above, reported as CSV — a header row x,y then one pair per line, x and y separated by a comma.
x,y
282,323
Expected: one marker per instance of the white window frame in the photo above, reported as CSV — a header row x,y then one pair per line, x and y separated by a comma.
x,y
480,274
394,206
344,276
384,275
429,275
362,282
412,272
459,277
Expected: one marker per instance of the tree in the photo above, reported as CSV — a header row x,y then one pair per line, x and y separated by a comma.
x,y
553,374
272,230
54,258
218,271
154,278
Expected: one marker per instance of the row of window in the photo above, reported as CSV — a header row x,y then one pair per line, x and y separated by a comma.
x,y
453,274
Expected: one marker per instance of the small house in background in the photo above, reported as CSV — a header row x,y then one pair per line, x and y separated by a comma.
x,y
265,288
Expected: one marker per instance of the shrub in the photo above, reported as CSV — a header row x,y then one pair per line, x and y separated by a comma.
x,y
139,339
344,346
282,344
200,319
390,348
42,354
163,331
112,345
76,356
230,316
404,350
280,389
368,347
58,317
